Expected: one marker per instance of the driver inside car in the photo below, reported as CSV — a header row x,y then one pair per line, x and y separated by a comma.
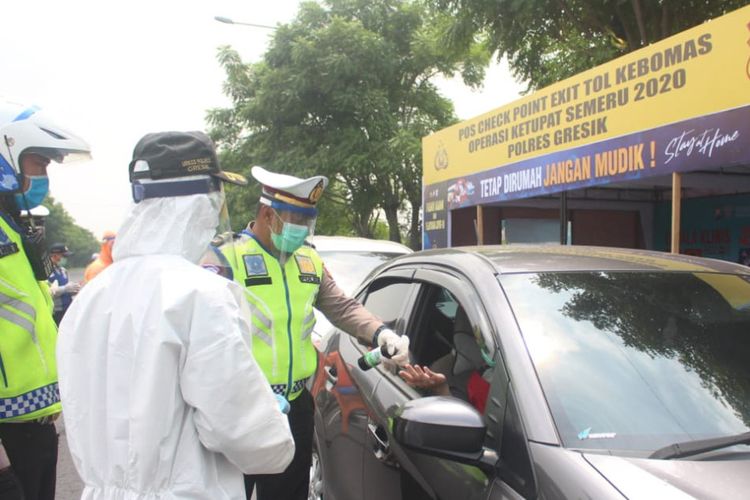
x,y
462,373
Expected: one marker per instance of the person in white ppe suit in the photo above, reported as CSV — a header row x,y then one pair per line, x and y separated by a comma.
x,y
162,398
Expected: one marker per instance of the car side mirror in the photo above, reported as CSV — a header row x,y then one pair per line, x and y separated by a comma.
x,y
441,426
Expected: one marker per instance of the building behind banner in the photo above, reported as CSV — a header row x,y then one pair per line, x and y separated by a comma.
x,y
651,150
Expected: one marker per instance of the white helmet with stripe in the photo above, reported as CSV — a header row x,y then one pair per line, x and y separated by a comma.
x,y
25,129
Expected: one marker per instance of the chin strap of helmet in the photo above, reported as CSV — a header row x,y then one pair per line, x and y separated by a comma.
x,y
34,244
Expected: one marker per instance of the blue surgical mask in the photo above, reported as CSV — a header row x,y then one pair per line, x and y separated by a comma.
x,y
34,196
291,238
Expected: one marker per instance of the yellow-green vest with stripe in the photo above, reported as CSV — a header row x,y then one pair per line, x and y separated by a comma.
x,y
28,371
281,301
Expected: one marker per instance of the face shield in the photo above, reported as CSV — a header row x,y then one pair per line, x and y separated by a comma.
x,y
26,130
220,256
205,218
59,155
290,227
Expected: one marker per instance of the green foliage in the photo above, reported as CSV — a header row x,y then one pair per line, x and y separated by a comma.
x,y
549,40
345,91
60,227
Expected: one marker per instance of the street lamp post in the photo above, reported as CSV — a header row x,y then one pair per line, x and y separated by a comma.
x,y
227,20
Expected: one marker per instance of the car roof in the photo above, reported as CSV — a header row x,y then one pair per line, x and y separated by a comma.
x,y
355,244
506,259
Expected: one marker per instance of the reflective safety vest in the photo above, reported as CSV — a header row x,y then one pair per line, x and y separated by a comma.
x,y
281,301
28,371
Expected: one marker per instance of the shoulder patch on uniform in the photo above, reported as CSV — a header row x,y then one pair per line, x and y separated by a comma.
x,y
255,265
305,264
7,247
4,239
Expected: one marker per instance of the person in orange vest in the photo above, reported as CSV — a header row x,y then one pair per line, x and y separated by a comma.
x,y
104,258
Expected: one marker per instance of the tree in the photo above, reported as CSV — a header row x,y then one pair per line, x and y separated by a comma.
x,y
59,227
345,90
549,40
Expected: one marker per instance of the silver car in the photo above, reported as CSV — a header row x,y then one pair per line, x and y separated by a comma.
x,y
570,372
350,260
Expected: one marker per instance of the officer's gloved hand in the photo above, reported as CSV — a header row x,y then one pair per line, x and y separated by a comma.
x,y
283,403
397,346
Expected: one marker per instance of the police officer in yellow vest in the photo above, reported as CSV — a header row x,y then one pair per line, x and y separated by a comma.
x,y
285,279
29,399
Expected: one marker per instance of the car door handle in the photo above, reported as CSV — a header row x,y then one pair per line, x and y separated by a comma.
x,y
331,374
381,449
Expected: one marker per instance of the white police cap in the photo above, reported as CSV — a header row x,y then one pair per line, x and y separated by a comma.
x,y
289,189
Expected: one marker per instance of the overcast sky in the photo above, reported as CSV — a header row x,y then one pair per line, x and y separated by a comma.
x,y
114,71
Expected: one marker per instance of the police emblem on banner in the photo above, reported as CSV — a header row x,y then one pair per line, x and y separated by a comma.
x,y
255,265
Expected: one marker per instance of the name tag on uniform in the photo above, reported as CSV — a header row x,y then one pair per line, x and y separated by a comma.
x,y
258,281
306,278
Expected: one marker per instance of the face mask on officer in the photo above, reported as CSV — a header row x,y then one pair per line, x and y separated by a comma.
x,y
35,181
35,194
291,236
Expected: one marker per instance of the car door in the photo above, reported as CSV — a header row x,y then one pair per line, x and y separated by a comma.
x,y
440,296
339,390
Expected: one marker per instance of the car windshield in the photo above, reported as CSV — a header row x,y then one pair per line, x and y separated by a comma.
x,y
638,360
349,268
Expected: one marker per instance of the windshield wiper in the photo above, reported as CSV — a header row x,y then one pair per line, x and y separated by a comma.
x,y
688,448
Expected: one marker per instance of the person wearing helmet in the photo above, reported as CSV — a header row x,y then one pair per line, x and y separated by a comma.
x,y
284,279
29,401
61,287
103,259
178,407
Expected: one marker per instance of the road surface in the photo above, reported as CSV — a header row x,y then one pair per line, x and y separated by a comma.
x,y
69,485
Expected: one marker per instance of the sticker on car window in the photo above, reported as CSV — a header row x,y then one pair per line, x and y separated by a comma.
x,y
587,434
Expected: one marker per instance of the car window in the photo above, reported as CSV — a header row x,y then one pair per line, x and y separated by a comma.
x,y
349,268
386,300
443,339
446,303
638,360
